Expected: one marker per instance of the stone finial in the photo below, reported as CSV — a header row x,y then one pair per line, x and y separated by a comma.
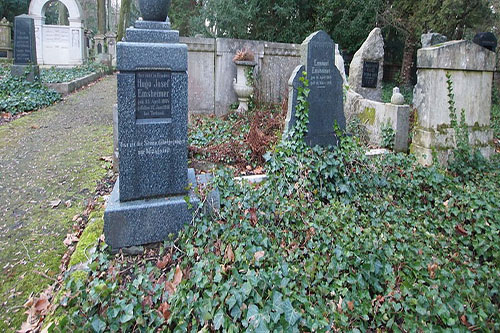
x,y
397,98
4,22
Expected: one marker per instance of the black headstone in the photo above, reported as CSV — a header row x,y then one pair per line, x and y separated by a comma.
x,y
24,40
326,93
370,74
487,40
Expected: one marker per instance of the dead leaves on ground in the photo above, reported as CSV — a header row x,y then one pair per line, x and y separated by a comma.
x,y
171,286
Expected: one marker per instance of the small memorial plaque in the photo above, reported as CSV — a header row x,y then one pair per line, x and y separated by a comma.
x,y
370,74
154,94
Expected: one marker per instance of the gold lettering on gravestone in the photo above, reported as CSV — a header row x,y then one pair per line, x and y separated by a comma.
x,y
154,94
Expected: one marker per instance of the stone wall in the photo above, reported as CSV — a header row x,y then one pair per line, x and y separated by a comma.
x,y
211,71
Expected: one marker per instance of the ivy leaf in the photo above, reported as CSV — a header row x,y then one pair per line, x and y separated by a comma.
x,y
278,303
218,319
252,314
291,316
128,313
98,325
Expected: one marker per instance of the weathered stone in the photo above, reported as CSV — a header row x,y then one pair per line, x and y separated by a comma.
x,y
432,38
367,67
339,62
325,97
397,98
5,40
486,40
472,69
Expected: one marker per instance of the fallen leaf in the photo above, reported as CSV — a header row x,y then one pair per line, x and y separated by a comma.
x,y
350,305
339,305
461,230
162,263
26,327
70,239
170,288
229,255
147,301
165,310
253,216
29,302
107,159
76,217
464,321
55,203
258,171
177,276
41,305
35,126
258,255
68,203
446,203
431,268
248,167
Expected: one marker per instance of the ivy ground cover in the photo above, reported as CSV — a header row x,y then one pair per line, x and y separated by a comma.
x,y
333,241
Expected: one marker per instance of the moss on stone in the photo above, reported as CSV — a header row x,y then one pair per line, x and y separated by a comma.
x,y
368,116
88,239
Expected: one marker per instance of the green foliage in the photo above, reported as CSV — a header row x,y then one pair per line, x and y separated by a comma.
x,y
495,112
333,240
58,74
11,8
405,90
388,136
18,95
466,160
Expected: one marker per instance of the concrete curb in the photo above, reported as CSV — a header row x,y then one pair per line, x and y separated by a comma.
x,y
66,88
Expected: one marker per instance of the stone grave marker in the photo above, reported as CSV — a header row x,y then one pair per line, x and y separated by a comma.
x,y
148,200
5,40
367,67
325,96
24,48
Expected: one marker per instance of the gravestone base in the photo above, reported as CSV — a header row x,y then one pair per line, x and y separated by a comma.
x,y
21,70
139,222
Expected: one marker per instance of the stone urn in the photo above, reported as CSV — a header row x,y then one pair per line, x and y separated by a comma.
x,y
154,10
241,86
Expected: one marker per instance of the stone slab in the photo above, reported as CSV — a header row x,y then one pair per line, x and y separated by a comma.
x,y
137,56
66,88
457,55
151,36
147,221
24,40
153,152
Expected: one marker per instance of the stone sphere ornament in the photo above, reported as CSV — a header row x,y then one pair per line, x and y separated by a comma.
x,y
154,10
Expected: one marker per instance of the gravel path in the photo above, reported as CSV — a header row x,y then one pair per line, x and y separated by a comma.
x,y
50,155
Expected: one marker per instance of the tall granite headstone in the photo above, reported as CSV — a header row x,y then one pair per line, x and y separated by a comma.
x,y
25,48
148,200
326,95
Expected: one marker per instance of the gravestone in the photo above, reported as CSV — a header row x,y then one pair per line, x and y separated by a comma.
x,y
326,92
25,48
432,38
486,40
471,67
5,40
367,67
148,200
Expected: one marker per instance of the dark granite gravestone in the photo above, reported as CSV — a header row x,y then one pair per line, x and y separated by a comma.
x,y
148,201
325,97
25,48
487,40
370,74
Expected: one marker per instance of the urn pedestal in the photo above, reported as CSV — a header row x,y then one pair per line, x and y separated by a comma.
x,y
241,86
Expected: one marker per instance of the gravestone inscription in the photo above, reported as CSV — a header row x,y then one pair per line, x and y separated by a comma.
x,y
153,94
325,96
370,74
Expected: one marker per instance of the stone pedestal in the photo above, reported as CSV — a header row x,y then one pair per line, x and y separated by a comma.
x,y
111,41
99,44
148,201
471,67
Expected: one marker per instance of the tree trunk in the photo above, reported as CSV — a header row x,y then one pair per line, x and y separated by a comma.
x,y
122,22
63,14
101,16
408,63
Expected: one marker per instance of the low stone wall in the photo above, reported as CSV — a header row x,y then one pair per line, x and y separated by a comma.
x,y
66,88
211,71
376,115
